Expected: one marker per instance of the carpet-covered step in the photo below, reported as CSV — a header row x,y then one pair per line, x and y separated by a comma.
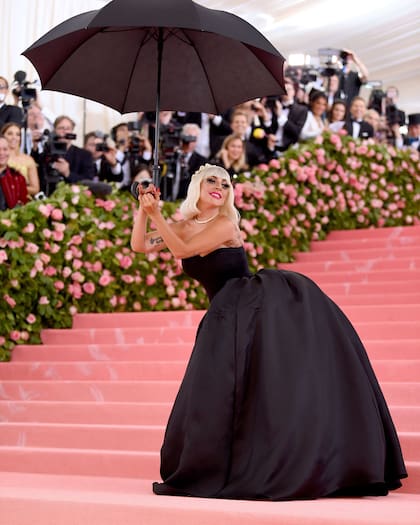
x,y
376,348
172,319
385,369
392,275
103,352
355,265
100,370
139,335
144,438
366,288
361,243
110,436
384,311
372,330
357,253
91,412
406,418
375,233
143,391
82,462
396,393
114,463
117,501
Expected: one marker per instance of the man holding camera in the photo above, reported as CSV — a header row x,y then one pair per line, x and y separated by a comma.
x,y
104,154
59,160
186,162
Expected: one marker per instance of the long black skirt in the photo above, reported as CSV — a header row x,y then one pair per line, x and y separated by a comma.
x,y
279,401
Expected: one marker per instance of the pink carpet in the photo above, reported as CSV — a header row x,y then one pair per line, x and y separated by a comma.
x,y
82,416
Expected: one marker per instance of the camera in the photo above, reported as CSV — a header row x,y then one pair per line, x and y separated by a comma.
x,y
102,146
187,139
22,90
135,187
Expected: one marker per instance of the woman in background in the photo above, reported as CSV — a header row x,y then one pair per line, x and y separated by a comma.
x,y
232,155
21,162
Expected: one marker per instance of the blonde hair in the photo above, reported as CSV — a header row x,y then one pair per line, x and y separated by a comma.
x,y
189,206
240,164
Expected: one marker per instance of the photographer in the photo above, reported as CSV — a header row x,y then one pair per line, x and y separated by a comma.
x,y
353,75
104,154
133,149
60,160
385,103
182,163
8,113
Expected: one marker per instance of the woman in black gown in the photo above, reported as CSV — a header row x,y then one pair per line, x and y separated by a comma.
x,y
279,400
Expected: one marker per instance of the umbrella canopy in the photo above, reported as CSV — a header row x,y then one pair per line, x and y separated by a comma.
x,y
152,55
209,60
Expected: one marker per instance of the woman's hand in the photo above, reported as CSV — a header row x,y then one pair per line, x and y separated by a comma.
x,y
149,199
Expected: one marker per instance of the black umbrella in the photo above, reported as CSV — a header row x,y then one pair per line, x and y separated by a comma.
x,y
153,55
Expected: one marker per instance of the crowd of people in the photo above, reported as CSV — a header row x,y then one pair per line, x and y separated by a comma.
x,y
42,151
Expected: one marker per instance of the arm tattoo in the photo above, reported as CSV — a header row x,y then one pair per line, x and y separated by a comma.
x,y
155,240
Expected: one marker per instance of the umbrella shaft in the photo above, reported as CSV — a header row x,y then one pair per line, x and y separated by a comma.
x,y
156,169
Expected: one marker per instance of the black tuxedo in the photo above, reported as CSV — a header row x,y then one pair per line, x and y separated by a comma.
x,y
81,164
10,114
295,122
216,134
104,173
366,130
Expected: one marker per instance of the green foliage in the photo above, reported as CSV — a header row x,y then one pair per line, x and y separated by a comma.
x,y
71,253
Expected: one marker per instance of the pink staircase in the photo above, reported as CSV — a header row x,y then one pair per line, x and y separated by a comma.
x,y
82,416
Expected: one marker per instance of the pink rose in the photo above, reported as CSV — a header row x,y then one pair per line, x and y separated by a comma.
x,y
57,214
9,300
125,262
59,285
44,300
3,256
89,288
105,279
31,319
29,228
114,301
15,335
46,209
50,271
150,280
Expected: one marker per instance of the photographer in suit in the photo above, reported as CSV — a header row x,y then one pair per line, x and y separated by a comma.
x,y
60,160
104,154
356,126
186,161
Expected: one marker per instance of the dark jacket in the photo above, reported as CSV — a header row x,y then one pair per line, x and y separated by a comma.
x,y
10,114
366,130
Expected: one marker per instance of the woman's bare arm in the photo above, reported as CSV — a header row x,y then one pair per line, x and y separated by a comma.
x,y
217,233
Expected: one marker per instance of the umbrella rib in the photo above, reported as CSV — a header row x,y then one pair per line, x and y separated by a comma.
x,y
145,39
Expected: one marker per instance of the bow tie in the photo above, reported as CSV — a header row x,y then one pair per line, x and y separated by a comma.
x,y
358,121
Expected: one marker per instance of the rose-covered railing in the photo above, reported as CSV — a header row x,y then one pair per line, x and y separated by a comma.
x,y
71,253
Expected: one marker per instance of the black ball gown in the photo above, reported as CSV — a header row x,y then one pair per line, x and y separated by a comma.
x,y
279,400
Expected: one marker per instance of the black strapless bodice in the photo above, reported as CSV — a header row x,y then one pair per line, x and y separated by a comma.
x,y
217,267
